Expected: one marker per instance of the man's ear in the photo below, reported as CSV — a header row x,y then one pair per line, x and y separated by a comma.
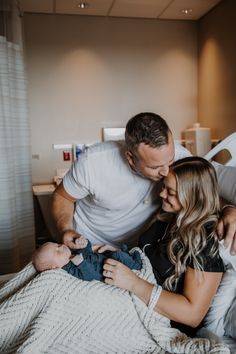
x,y
130,157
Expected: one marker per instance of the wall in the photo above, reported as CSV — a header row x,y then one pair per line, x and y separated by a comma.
x,y
217,69
86,73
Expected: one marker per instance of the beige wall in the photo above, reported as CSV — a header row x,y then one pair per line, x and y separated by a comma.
x,y
86,73
217,69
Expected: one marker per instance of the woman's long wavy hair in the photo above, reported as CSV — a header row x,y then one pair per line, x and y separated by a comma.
x,y
197,191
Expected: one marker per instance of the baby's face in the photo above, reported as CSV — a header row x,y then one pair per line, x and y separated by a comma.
x,y
59,254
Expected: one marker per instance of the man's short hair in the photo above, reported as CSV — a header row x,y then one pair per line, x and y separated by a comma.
x,y
148,128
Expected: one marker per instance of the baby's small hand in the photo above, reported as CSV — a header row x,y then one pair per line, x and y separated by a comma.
x,y
81,242
77,259
104,248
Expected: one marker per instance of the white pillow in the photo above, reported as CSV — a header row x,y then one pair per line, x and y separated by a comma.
x,y
225,295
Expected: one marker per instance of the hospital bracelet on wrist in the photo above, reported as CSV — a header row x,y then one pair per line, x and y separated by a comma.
x,y
156,292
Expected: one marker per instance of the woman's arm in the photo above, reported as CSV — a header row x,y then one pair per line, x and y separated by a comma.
x,y
188,308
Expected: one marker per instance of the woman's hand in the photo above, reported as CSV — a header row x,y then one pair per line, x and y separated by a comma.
x,y
118,274
103,248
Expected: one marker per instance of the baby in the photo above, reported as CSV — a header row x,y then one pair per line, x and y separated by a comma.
x,y
83,263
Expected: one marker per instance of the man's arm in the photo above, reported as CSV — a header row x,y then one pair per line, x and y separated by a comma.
x,y
63,205
227,185
226,228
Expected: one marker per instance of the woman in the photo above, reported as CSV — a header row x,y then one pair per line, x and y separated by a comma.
x,y
182,247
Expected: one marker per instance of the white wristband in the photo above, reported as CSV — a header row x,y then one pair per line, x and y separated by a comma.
x,y
156,292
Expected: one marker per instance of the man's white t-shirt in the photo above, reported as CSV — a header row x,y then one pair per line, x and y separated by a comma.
x,y
113,203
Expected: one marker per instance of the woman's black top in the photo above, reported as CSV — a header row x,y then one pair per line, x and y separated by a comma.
x,y
156,240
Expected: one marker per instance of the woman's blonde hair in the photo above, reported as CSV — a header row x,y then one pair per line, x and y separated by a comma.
x,y
197,191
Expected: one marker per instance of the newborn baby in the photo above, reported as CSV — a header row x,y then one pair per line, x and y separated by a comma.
x,y
83,263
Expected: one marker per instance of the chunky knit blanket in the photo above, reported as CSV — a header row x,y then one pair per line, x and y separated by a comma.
x,y
53,312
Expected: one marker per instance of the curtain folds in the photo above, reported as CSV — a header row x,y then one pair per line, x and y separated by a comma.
x,y
16,204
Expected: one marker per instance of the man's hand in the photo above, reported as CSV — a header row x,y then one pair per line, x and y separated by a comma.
x,y
74,240
226,228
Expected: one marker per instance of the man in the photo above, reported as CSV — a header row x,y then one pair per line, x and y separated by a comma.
x,y
112,191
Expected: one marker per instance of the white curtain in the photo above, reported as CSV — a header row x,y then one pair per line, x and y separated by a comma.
x,y
16,204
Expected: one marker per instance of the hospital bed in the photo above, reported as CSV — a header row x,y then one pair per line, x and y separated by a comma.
x,y
228,144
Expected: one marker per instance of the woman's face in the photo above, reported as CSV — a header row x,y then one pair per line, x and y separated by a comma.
x,y
169,195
